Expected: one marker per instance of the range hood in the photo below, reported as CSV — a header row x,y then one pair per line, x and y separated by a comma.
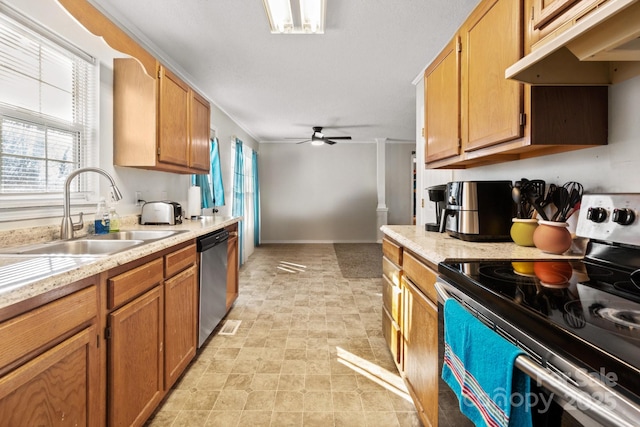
x,y
603,47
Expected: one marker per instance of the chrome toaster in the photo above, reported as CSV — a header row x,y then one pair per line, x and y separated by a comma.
x,y
163,212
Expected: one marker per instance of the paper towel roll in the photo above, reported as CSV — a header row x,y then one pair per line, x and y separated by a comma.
x,y
194,204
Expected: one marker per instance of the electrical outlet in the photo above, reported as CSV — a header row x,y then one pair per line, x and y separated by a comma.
x,y
138,200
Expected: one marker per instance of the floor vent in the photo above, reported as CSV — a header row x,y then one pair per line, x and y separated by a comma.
x,y
230,327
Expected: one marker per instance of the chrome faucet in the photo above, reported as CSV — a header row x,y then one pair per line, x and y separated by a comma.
x,y
68,226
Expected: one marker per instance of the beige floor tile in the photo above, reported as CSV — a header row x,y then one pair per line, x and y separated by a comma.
x,y
223,419
289,401
261,400
191,419
318,401
286,419
281,368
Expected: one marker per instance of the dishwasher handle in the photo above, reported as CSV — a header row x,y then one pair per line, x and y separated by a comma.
x,y
212,239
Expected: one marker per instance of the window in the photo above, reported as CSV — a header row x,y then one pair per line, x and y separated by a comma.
x,y
47,110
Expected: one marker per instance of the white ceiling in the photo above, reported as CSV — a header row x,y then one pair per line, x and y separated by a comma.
x,y
355,79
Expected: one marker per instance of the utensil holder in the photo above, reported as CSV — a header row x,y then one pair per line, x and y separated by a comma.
x,y
552,237
522,231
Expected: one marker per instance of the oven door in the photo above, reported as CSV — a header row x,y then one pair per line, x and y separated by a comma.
x,y
555,400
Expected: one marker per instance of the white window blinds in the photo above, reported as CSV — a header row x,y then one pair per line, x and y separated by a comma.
x,y
47,111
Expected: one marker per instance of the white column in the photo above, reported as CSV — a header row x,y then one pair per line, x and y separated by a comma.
x,y
381,210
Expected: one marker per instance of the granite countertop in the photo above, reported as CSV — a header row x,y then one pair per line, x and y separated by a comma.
x,y
437,247
41,274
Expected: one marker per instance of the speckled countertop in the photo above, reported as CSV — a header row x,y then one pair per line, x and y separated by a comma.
x,y
437,247
41,274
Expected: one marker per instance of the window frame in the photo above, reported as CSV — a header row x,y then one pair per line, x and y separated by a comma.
x,y
37,205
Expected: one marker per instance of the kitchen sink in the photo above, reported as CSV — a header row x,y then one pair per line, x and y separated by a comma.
x,y
81,247
145,235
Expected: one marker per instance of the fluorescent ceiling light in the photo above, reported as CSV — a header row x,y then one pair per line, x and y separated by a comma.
x,y
295,16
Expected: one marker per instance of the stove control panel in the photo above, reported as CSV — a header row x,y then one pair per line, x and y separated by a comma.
x,y
611,217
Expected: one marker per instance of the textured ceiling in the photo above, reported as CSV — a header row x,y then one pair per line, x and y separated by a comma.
x,y
355,79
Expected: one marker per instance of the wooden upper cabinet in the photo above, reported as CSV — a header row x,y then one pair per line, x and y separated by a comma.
x,y
491,105
159,122
442,104
199,135
501,119
173,119
545,11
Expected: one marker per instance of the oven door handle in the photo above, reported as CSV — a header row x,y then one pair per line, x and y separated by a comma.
x,y
599,410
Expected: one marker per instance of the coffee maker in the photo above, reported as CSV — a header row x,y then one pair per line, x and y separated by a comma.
x,y
437,195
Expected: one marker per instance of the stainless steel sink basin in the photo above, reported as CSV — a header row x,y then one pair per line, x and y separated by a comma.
x,y
81,247
145,235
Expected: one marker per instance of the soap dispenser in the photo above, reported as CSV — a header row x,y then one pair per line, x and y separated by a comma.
x,y
101,221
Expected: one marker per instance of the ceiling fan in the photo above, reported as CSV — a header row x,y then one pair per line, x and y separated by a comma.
x,y
319,138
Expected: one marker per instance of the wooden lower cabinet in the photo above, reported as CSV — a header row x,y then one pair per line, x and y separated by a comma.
x,y
180,323
232,269
55,388
50,363
420,333
136,359
410,326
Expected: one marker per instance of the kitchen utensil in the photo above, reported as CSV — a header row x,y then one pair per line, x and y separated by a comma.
x,y
574,191
517,199
573,315
548,197
560,200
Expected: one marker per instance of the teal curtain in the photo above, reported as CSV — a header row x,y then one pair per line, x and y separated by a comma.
x,y
256,201
216,174
238,194
211,187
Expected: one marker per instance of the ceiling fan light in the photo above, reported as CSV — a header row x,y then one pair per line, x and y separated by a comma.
x,y
317,142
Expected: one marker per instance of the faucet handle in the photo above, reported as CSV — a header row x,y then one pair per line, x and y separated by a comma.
x,y
78,225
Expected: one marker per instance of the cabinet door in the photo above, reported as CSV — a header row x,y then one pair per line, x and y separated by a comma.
x,y
199,142
57,388
420,332
491,105
232,270
442,105
545,11
173,125
135,359
180,323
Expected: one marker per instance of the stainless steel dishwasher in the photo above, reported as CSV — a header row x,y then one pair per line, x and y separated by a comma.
x,y
213,281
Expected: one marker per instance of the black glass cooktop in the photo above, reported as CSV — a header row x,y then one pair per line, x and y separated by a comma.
x,y
587,312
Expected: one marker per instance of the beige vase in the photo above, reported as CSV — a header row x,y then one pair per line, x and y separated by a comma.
x,y
522,231
552,237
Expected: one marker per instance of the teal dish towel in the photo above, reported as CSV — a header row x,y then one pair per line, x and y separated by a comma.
x,y
479,368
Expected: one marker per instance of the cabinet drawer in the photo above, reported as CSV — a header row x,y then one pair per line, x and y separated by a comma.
x,y
391,334
179,260
391,271
33,330
129,285
421,275
392,251
392,299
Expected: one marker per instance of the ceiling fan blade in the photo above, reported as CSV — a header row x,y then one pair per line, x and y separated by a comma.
x,y
328,141
337,137
302,142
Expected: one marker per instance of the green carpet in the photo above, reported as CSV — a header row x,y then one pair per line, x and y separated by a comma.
x,y
359,260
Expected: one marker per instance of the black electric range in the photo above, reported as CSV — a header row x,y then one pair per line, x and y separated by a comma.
x,y
584,311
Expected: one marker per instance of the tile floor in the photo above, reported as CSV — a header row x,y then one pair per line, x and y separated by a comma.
x,y
309,352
